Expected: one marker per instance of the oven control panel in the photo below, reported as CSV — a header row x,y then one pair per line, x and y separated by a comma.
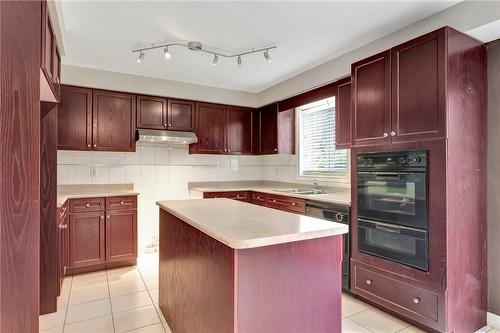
x,y
390,159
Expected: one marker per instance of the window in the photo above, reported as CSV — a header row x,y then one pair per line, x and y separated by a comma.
x,y
318,156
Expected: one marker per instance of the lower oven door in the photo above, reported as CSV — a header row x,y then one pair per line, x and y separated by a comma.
x,y
404,245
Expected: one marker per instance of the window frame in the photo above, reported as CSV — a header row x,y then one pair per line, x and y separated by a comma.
x,y
337,178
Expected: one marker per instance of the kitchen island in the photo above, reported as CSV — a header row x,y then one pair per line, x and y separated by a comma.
x,y
230,266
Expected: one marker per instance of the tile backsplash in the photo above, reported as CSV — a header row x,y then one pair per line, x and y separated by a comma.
x,y
162,172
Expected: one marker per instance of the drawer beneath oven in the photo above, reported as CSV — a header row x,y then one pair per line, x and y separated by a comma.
x,y
419,304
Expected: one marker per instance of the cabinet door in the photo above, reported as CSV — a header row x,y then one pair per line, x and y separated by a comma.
x,y
286,132
113,116
86,239
180,115
239,130
151,112
210,128
418,88
371,97
121,235
269,129
75,119
343,115
47,42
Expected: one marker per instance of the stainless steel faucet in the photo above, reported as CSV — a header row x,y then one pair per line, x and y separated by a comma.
x,y
315,184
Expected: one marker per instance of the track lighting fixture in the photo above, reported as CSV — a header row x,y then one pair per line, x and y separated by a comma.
x,y
197,46
267,56
167,54
141,57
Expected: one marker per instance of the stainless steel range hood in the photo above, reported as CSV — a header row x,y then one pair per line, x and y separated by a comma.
x,y
156,136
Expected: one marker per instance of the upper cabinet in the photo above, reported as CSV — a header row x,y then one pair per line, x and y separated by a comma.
x,y
371,107
210,129
50,60
239,130
343,115
400,94
96,120
113,121
163,114
274,130
75,119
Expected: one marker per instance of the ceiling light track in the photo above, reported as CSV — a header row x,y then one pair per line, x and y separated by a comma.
x,y
196,46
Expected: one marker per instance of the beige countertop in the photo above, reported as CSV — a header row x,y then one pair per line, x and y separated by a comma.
x,y
241,225
65,192
334,195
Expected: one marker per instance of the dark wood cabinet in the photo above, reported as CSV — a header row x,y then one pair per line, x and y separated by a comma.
x,y
86,239
343,115
75,119
50,59
151,112
419,88
239,130
181,115
113,121
238,195
268,126
121,235
287,204
371,99
210,129
273,131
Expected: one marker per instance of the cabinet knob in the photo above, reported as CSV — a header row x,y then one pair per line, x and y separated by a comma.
x,y
108,216
275,149
89,145
165,125
386,135
95,145
294,204
416,300
122,203
368,282
393,133
229,150
87,205
170,125
102,217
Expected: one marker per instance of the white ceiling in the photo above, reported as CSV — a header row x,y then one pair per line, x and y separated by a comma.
x,y
101,34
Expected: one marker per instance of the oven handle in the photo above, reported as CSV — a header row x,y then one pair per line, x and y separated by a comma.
x,y
404,176
395,229
389,228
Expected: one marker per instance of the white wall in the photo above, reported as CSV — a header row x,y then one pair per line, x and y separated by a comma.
x,y
162,172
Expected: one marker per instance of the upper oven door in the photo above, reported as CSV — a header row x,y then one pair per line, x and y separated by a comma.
x,y
393,197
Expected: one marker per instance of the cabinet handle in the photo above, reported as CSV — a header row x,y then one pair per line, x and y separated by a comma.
x,y
416,300
87,205
63,226
368,282
393,133
386,135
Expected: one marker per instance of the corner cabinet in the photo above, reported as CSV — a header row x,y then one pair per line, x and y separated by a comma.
x,y
274,130
399,95
102,233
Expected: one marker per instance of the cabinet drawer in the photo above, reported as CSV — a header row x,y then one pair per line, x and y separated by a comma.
x,y
86,205
209,195
129,202
259,198
241,196
398,296
289,204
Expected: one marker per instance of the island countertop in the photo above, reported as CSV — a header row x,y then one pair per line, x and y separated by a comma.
x,y
241,225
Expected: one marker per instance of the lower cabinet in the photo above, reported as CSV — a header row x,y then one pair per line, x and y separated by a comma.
x,y
121,233
100,237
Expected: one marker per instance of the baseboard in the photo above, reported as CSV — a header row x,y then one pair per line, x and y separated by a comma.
x,y
493,320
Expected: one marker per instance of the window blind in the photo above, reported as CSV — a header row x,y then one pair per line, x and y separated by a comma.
x,y
317,146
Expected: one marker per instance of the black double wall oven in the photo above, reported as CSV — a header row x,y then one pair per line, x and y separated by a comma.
x,y
393,207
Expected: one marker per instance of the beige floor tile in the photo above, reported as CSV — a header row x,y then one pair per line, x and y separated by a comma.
x,y
94,325
484,329
118,288
156,328
137,318
154,295
151,282
51,320
124,273
88,294
130,301
351,306
379,321
494,331
52,330
88,310
89,280
349,326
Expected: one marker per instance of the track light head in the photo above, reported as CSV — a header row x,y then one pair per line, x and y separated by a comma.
x,y
267,56
239,61
141,58
216,58
167,54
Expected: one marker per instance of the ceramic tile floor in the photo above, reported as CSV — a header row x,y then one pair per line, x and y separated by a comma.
x,y
126,300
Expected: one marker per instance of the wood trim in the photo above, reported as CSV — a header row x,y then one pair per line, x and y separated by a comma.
x,y
317,94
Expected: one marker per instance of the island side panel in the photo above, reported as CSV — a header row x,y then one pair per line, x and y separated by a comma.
x,y
292,287
196,279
